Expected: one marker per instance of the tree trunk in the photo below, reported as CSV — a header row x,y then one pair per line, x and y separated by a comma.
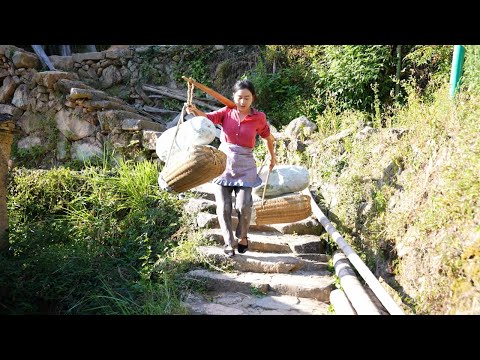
x,y
6,139
90,48
65,50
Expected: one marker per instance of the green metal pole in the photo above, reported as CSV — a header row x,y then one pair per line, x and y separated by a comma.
x,y
457,67
399,70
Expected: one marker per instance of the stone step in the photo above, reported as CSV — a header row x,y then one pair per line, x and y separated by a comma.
x,y
261,262
267,241
194,206
235,303
303,284
210,221
315,257
308,226
284,271
205,191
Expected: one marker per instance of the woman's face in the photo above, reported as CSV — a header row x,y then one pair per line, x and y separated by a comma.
x,y
243,98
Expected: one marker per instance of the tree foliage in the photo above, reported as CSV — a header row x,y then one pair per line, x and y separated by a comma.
x,y
306,80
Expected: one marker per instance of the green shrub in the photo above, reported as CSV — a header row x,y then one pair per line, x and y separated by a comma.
x,y
281,94
472,68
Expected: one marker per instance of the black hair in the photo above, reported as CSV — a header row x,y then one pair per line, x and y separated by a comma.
x,y
244,84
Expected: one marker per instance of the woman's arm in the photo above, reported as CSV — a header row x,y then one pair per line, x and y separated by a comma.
x,y
192,109
271,150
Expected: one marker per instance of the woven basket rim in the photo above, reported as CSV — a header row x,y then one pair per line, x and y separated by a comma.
x,y
278,210
194,166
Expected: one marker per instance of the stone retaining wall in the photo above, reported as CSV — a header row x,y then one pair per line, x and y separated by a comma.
x,y
93,101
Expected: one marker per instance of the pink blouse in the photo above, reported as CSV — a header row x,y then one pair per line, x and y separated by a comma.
x,y
240,133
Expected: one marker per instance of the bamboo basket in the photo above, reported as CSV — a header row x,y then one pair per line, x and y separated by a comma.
x,y
283,209
192,167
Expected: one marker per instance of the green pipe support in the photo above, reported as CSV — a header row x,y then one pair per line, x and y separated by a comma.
x,y
457,68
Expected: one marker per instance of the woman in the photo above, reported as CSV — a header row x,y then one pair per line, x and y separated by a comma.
x,y
240,127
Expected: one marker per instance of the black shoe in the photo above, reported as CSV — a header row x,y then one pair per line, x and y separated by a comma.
x,y
242,248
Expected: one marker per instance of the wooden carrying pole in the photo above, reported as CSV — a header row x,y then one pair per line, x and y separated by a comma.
x,y
225,101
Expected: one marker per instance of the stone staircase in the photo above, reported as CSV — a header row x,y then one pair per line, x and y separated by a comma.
x,y
284,272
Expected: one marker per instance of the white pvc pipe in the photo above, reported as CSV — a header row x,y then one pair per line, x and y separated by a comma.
x,y
355,260
341,304
353,288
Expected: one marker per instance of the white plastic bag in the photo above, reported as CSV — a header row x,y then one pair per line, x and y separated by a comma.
x,y
283,179
196,131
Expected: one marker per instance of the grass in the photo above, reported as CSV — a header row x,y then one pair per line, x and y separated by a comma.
x,y
257,292
142,298
96,241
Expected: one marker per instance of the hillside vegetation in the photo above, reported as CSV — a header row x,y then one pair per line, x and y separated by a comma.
x,y
394,164
406,198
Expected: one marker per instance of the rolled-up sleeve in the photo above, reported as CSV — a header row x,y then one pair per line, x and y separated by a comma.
x,y
217,116
263,127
